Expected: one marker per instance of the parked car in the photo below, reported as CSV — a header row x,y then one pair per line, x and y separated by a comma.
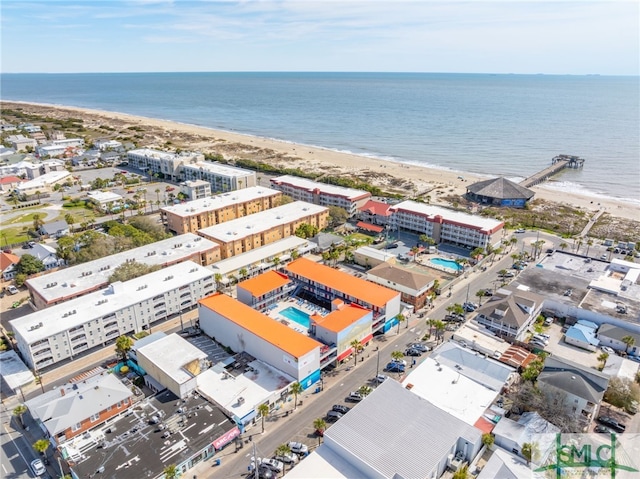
x,y
520,230
632,407
420,347
508,274
38,467
340,408
612,423
394,367
333,416
380,378
608,350
289,458
354,396
275,466
298,448
537,344
542,339
400,361
548,321
391,246
12,289
265,472
602,429
412,352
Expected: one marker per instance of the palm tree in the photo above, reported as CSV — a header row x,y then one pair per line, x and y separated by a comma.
x,y
357,347
283,450
218,278
400,319
440,328
513,241
70,219
529,451
365,390
157,190
242,272
320,425
397,356
263,410
38,193
563,246
295,389
37,221
480,295
41,446
462,473
629,341
170,472
19,411
589,244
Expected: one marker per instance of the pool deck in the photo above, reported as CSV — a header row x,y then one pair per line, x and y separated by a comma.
x,y
297,303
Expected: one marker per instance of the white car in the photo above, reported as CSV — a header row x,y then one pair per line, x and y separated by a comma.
x,y
380,378
607,350
12,289
298,448
37,467
273,464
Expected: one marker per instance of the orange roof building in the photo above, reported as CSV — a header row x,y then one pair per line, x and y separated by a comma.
x,y
8,264
327,284
242,328
342,326
264,290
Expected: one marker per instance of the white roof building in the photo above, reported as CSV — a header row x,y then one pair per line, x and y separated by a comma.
x,y
14,371
173,362
75,281
103,198
260,222
43,183
96,318
392,433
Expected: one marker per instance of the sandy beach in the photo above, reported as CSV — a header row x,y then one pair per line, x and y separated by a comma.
x,y
439,184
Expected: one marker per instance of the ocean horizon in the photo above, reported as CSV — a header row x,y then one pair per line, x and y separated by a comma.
x,y
487,124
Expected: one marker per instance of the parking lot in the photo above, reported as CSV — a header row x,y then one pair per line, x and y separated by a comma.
x,y
558,347
215,353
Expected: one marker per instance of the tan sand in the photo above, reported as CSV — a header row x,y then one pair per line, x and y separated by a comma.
x,y
411,179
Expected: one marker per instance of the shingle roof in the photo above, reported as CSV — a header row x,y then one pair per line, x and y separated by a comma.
x,y
616,332
403,277
377,208
574,379
7,259
500,188
505,307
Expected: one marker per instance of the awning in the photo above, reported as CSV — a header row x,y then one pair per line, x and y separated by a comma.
x,y
369,227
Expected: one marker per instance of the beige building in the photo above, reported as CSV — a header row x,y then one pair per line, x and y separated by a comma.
x,y
196,189
250,232
195,215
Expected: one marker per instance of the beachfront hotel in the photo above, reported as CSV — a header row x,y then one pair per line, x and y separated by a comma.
x,y
195,215
302,189
221,177
99,318
447,226
162,163
249,232
69,283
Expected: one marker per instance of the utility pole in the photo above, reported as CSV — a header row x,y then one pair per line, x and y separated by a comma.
x,y
377,361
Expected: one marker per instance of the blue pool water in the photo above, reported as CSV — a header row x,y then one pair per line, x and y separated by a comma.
x,y
446,263
294,314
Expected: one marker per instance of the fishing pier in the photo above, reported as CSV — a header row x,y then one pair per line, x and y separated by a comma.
x,y
558,163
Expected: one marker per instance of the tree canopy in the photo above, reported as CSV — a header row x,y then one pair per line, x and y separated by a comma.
x,y
29,264
127,271
337,215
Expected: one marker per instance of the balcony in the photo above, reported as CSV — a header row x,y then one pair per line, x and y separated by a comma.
x,y
41,352
44,343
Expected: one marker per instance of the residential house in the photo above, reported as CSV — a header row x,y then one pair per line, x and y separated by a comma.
x,y
8,265
47,255
326,241
578,387
505,466
510,312
21,142
74,408
612,335
375,212
55,229
530,427
9,183
582,335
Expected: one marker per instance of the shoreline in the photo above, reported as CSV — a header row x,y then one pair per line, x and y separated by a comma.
x,y
436,182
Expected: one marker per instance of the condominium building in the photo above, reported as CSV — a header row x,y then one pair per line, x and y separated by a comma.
x,y
69,283
326,284
162,164
59,147
99,318
195,215
249,232
323,194
196,189
446,226
221,177
190,166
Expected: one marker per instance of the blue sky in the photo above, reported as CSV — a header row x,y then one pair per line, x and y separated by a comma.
x,y
509,36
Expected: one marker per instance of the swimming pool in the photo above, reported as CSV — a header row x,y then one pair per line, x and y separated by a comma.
x,y
294,314
446,263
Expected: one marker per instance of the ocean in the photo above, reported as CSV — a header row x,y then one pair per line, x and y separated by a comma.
x,y
508,125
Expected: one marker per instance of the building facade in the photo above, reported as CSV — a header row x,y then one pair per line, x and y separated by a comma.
x,y
222,178
447,226
247,233
99,318
202,213
302,189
